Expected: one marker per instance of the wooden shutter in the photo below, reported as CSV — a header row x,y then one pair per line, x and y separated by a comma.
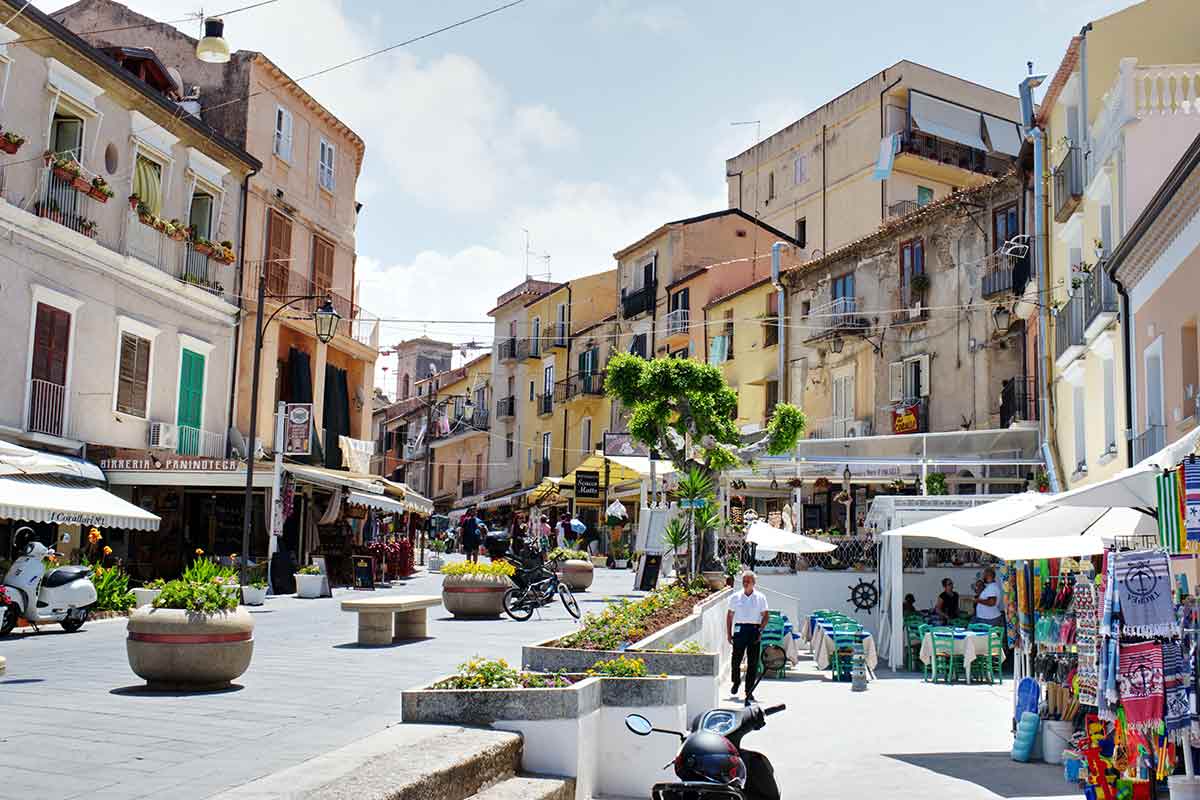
x,y
133,375
279,252
51,335
896,381
191,389
322,265
923,361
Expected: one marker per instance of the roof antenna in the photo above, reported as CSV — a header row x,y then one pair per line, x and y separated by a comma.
x,y
528,252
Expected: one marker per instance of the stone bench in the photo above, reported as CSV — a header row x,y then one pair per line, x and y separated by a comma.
x,y
391,618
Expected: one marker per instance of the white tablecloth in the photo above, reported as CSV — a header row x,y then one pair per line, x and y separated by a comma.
x,y
970,647
822,646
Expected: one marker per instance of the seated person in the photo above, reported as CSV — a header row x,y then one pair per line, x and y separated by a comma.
x,y
910,605
947,602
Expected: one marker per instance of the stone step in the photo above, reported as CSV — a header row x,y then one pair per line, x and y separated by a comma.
x,y
404,762
524,787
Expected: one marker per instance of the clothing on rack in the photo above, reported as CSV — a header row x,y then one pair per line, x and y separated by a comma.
x,y
1145,593
1177,714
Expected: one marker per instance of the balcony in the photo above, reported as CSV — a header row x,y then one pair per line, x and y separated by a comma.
x,y
901,208
831,428
582,384
198,442
506,408
839,315
356,323
1068,184
638,302
1068,331
1099,302
952,154
65,198
48,409
512,349
481,420
545,404
558,334
678,322
1149,442
1018,401
533,347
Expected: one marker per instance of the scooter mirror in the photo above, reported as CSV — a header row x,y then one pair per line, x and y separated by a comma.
x,y
638,724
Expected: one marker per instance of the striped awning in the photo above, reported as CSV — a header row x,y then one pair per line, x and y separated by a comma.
x,y
43,498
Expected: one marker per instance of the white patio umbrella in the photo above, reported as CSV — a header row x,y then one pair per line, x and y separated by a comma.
x,y
780,541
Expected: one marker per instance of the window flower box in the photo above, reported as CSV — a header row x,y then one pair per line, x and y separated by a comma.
x,y
64,174
81,184
202,246
11,142
98,190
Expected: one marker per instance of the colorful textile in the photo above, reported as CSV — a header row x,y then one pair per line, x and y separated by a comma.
x,y
1177,715
1025,602
1087,635
1006,576
1141,685
1145,593
1191,499
1110,630
1170,523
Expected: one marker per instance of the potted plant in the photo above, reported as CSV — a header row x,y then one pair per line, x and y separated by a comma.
x,y
11,142
308,582
88,228
919,283
81,184
146,594
1041,480
99,190
935,483
437,546
176,230
733,568
225,255
64,169
620,555
576,571
144,214
134,202
254,593
202,246
193,638
475,590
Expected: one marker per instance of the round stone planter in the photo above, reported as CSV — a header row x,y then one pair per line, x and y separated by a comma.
x,y
475,596
175,649
577,574
145,597
308,586
254,597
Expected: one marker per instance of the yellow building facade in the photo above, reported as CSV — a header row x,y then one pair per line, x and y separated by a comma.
x,y
461,439
747,349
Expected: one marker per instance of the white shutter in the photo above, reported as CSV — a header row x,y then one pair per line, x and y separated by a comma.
x,y
924,362
849,396
896,381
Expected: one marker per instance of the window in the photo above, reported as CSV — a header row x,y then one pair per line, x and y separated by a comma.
x,y
638,345
512,386
560,334
912,263
842,291
282,145
66,136
535,339
799,171
1079,396
441,476
479,471
325,165
133,375
805,308
1004,225
546,448
772,399
681,353
924,195
843,400
802,232
547,384
770,186
908,380
529,458
531,391
200,215
729,334
678,319
585,436
190,415
147,183
771,323
1106,239
406,387
508,446
1110,405
322,268
48,370
279,252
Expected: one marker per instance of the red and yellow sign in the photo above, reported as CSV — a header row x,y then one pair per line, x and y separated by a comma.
x,y
906,419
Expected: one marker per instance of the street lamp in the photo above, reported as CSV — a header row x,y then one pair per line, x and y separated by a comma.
x,y
325,321
836,344
213,48
1002,316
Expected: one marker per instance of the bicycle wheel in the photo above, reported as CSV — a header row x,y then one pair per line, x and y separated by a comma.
x,y
516,605
568,600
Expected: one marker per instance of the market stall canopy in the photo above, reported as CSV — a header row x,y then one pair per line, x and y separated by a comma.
x,y
780,541
545,491
365,484
378,502
621,469
45,498
18,460
1134,487
408,499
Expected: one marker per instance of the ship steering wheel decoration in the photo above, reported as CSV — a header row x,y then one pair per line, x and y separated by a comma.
x,y
864,596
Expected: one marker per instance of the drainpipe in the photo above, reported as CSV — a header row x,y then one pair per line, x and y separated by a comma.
x,y
1049,449
782,395
567,373
233,383
1084,127
882,133
1127,336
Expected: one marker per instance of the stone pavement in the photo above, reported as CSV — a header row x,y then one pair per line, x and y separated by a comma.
x,y
74,722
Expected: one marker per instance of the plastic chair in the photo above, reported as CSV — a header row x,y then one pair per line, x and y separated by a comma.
x,y
926,667
996,653
912,649
945,662
843,655
771,638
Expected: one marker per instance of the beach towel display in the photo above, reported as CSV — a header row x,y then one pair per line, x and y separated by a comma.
x,y
1140,682
1144,592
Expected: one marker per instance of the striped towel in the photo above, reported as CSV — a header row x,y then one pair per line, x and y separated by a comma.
x,y
1144,593
1175,676
1170,521
1191,497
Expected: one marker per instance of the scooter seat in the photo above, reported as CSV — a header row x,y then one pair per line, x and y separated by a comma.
x,y
64,575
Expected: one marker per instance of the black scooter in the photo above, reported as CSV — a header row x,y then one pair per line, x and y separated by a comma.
x,y
711,764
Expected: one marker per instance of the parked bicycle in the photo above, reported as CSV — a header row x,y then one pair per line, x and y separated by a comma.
x,y
537,586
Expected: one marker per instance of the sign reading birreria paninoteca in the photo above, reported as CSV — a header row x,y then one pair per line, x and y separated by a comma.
x,y
587,483
297,429
122,459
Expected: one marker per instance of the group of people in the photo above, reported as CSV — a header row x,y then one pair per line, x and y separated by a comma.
x,y
534,530
989,608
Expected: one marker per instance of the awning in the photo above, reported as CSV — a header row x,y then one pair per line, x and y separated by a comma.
x,y
546,490
52,499
1004,135
948,121
18,460
411,501
376,501
333,479
781,541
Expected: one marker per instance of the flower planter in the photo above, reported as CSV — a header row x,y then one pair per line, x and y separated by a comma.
x,y
621,563
578,574
96,194
178,236
252,596
600,561
9,147
434,563
146,220
714,579
82,184
308,586
64,175
145,597
475,596
175,649
202,249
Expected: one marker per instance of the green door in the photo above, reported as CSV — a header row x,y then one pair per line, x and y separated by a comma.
x,y
191,400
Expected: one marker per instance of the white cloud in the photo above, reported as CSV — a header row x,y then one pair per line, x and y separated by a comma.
x,y
653,17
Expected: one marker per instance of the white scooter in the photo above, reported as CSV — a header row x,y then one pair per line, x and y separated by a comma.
x,y
64,595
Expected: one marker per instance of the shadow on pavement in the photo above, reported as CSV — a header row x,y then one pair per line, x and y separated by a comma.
x,y
357,646
18,681
993,772
142,690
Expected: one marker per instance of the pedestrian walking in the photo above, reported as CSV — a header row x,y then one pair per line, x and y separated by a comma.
x,y
744,622
470,535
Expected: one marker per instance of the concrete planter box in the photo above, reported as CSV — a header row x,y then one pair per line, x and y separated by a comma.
x,y
475,596
144,597
703,672
576,731
435,563
175,649
577,574
308,586
254,597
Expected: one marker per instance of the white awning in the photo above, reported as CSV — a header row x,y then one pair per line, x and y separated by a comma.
x,y
781,541
18,460
332,478
52,499
377,501
1004,135
947,121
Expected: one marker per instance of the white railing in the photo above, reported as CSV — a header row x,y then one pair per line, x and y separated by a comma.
x,y
677,321
364,329
199,442
47,408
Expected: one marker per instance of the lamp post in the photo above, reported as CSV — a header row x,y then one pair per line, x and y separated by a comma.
x,y
326,319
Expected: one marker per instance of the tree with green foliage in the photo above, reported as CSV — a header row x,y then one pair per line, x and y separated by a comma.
x,y
685,410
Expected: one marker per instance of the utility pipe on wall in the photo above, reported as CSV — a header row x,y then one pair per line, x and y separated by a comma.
x,y
776,249
1040,267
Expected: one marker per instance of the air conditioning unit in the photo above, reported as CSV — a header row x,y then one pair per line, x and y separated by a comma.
x,y
163,436
859,427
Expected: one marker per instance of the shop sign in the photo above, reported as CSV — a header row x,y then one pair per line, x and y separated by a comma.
x,y
116,459
297,429
78,518
906,419
587,483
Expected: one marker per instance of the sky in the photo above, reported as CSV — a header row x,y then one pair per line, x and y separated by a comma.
x,y
587,123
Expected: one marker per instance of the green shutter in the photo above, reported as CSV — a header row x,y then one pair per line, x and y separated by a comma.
x,y
191,401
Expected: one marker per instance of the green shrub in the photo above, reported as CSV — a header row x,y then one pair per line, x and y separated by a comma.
x,y
157,583
112,588
311,569
204,598
620,667
501,568
481,673
204,571
567,554
690,647
626,621
733,567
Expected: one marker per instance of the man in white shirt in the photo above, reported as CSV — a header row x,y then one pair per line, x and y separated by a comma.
x,y
743,624
988,609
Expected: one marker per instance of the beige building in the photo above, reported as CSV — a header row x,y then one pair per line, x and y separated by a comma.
x,y
900,139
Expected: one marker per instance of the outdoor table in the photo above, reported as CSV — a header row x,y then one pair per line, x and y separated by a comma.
x,y
823,649
968,644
